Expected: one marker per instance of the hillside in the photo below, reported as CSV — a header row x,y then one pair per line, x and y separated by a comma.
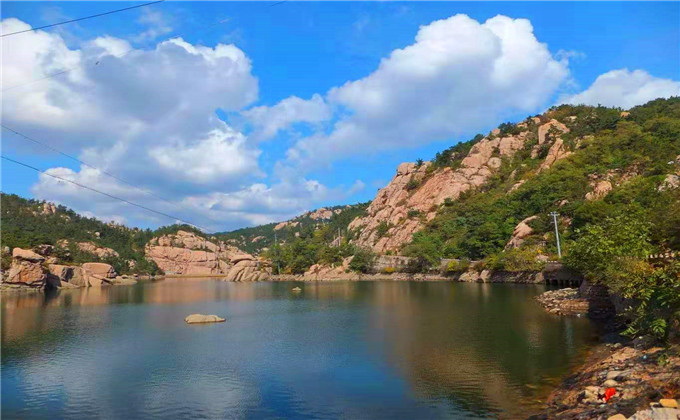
x,y
259,238
29,223
490,197
588,164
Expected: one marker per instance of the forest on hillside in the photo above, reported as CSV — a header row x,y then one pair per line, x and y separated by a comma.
x,y
27,223
258,238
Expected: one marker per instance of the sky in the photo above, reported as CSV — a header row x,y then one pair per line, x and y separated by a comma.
x,y
230,114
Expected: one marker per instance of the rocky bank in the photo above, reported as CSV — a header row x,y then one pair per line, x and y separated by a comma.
x,y
186,253
641,376
31,270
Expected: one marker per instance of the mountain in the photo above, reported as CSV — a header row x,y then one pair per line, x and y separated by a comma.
x,y
260,238
490,198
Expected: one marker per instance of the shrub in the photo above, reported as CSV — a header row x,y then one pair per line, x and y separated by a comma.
x,y
457,266
655,293
508,129
516,259
412,184
389,270
413,213
426,251
363,260
382,229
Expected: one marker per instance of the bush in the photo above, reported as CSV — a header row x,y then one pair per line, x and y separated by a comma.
x,y
516,259
389,270
412,184
508,129
426,250
363,260
655,294
413,213
457,266
382,229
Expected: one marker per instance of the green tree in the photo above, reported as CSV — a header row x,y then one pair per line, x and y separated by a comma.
x,y
363,260
426,251
598,252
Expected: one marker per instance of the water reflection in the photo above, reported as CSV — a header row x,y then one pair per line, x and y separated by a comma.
x,y
341,349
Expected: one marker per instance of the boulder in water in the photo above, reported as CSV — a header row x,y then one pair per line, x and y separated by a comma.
x,y
202,319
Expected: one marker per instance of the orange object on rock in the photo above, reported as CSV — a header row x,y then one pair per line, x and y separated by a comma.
x,y
608,394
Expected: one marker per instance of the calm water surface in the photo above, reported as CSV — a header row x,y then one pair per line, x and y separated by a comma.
x,y
350,350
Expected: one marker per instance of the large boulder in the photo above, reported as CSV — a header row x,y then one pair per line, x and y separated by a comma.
x,y
27,269
100,269
97,274
522,230
189,254
600,189
27,255
248,270
68,275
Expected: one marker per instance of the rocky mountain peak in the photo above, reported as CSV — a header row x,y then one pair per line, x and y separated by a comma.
x,y
415,193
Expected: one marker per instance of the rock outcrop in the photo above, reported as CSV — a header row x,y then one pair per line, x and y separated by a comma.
x,y
66,274
186,253
27,269
416,188
671,182
522,230
325,272
248,270
600,189
101,252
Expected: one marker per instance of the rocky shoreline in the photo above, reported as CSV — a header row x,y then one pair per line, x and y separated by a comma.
x,y
646,381
643,377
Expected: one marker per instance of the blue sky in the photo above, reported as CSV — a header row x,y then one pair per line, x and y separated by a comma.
x,y
299,49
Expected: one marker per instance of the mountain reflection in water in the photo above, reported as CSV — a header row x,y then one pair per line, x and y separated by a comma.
x,y
336,349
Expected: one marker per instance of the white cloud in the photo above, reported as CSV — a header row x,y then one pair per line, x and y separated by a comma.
x,y
147,116
157,23
459,75
268,121
133,112
624,88
222,154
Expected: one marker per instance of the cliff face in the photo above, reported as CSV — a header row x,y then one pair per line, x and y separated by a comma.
x,y
416,192
188,254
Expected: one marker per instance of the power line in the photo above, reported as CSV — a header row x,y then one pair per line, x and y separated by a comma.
x,y
82,18
54,149
96,63
104,193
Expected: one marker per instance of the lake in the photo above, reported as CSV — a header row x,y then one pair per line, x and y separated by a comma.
x,y
354,350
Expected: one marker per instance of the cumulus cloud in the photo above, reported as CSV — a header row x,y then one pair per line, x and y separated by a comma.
x,y
459,75
624,88
147,116
268,121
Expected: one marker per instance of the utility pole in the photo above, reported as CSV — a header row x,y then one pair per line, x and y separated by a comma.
x,y
278,252
557,233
